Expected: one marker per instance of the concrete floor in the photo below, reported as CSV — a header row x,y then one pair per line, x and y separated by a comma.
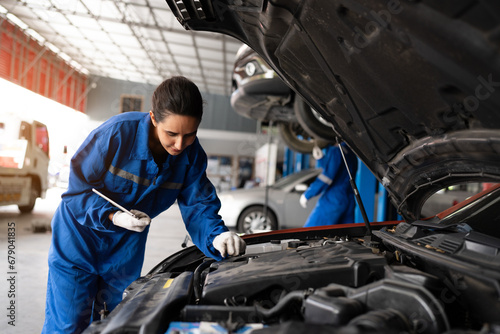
x,y
166,235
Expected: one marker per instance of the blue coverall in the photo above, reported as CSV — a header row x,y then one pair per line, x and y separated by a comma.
x,y
336,204
92,260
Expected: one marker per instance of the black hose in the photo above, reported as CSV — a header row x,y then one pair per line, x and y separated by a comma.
x,y
281,305
383,321
197,277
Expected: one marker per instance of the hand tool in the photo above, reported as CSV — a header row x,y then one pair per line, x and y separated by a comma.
x,y
114,203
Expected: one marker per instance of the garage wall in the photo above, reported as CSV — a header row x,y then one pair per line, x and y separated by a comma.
x,y
105,100
219,115
27,63
225,135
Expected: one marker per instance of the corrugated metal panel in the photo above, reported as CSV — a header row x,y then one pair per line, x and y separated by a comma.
x,y
6,45
43,84
5,61
59,86
16,60
69,92
81,100
28,71
51,79
27,63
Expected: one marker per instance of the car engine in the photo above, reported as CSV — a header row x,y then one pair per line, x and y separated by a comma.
x,y
402,279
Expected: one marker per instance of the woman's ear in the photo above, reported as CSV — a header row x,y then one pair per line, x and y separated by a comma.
x,y
152,118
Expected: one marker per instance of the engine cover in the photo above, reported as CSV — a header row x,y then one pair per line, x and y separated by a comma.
x,y
312,266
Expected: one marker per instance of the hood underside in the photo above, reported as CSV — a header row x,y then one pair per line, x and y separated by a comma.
x,y
412,87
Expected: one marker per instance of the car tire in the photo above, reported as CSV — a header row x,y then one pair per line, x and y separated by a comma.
x,y
291,133
311,121
34,194
251,220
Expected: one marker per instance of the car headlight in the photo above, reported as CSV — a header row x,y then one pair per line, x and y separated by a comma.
x,y
250,68
253,68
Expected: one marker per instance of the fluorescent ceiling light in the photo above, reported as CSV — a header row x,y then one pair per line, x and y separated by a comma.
x,y
52,47
35,35
65,56
17,21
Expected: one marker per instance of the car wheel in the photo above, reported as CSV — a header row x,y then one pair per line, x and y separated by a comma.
x,y
34,194
312,121
252,220
297,139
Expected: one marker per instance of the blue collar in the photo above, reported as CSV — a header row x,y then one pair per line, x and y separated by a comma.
x,y
140,149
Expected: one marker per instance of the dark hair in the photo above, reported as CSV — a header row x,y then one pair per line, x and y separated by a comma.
x,y
177,95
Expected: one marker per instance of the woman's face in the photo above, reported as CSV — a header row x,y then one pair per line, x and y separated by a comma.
x,y
175,132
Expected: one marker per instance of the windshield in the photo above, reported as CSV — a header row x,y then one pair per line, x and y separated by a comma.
x,y
293,178
482,215
449,196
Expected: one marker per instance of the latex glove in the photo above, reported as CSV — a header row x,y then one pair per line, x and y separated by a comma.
x,y
303,201
229,243
125,220
317,152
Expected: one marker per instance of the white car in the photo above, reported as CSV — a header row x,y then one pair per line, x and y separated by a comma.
x,y
245,209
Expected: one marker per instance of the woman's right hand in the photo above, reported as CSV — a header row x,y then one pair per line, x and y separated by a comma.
x,y
128,222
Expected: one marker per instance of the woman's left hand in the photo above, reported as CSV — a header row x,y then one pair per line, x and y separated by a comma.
x,y
229,243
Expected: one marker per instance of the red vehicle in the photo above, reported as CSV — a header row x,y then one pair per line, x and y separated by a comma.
x,y
24,161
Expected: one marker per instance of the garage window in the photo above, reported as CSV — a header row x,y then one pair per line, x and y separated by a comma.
x,y
131,103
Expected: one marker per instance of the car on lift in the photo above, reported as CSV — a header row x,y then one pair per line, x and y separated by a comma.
x,y
260,94
262,209
412,88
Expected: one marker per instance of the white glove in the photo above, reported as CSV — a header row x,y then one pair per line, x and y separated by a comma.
x,y
125,220
317,152
303,201
230,243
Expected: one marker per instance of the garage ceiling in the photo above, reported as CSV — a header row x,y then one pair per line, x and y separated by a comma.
x,y
134,40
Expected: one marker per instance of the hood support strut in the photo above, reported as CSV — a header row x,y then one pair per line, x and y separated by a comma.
x,y
356,192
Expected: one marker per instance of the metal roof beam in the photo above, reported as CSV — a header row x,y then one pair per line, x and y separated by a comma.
x,y
177,67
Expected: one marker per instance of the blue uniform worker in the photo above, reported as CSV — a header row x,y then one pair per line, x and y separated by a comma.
x,y
336,204
136,160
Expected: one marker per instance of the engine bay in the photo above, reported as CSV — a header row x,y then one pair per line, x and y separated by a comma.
x,y
405,279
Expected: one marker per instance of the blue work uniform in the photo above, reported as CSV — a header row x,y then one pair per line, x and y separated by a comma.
x,y
336,204
91,260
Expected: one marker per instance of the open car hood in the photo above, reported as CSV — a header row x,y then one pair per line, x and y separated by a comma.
x,y
412,87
